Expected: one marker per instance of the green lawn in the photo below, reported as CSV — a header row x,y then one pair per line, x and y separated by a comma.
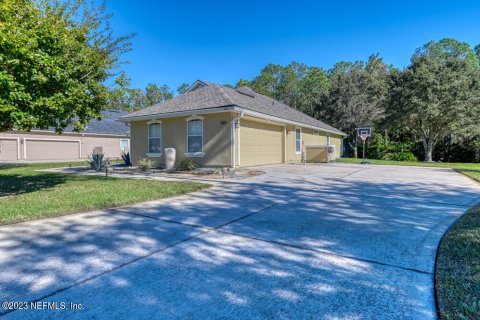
x,y
28,194
457,275
471,170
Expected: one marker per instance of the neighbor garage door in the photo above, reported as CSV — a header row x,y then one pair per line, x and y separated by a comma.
x,y
52,149
8,149
260,143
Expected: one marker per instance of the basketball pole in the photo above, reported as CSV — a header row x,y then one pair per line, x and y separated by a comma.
x,y
363,161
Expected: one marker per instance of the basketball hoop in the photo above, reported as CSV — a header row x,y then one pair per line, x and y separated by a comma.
x,y
364,133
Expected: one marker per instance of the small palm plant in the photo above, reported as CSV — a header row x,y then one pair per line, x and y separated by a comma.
x,y
126,159
97,161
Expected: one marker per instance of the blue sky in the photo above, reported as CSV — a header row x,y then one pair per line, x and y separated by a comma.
x,y
223,41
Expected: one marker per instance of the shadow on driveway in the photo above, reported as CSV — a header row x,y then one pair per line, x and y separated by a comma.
x,y
309,248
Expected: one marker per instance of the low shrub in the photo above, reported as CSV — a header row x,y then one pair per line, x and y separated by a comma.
x,y
187,165
145,164
126,159
97,161
400,156
382,148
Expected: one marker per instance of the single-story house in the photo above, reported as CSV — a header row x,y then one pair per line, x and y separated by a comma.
x,y
220,126
106,136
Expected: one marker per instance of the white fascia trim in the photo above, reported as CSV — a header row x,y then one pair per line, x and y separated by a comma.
x,y
281,120
224,109
196,83
18,144
177,114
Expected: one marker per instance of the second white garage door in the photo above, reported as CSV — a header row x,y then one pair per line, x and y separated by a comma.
x,y
260,143
52,149
8,149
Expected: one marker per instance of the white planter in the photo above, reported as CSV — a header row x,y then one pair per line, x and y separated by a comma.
x,y
170,155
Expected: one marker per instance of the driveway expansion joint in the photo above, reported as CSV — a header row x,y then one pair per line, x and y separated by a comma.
x,y
113,211
217,228
328,253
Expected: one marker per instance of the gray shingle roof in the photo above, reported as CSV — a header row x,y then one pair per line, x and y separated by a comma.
x,y
108,124
217,96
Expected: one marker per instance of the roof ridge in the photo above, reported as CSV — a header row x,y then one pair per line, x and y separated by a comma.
x,y
278,104
216,95
223,93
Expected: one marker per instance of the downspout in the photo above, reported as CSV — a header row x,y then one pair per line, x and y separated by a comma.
x,y
234,122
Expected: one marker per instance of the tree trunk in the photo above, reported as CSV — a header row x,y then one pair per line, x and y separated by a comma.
x,y
354,147
428,145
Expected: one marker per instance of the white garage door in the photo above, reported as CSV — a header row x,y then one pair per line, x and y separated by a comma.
x,y
260,143
8,149
52,149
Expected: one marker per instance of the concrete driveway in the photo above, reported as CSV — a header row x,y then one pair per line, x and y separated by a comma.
x,y
333,241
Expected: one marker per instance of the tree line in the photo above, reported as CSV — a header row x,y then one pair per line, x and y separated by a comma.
x,y
61,64
429,110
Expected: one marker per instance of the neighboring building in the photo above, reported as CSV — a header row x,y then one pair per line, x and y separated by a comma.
x,y
107,136
219,126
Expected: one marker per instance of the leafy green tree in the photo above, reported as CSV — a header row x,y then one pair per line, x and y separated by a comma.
x,y
55,57
357,96
155,94
296,84
438,93
129,99
268,81
137,99
183,88
119,96
313,89
243,83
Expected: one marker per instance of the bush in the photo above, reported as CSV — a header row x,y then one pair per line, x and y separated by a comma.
x,y
126,159
400,156
187,165
97,162
382,148
145,164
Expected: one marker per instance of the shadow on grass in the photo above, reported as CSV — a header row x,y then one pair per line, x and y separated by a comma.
x,y
17,183
4,167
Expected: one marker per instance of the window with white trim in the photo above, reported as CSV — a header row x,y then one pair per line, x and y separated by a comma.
x,y
124,143
155,138
195,136
298,140
328,139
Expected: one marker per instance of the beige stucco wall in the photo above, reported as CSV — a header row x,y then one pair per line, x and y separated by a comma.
x,y
309,138
337,141
37,145
216,139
